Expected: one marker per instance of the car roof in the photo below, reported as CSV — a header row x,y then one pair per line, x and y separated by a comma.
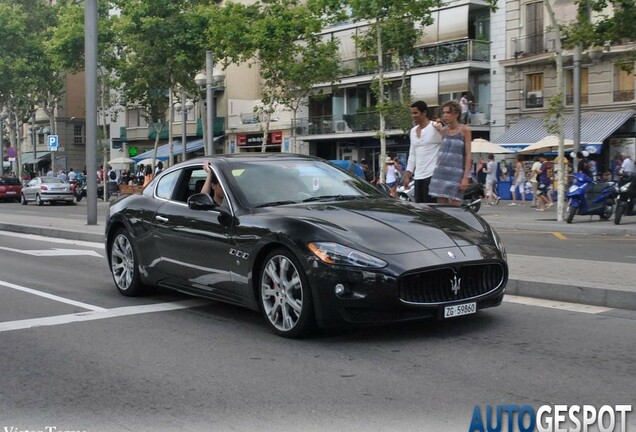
x,y
251,157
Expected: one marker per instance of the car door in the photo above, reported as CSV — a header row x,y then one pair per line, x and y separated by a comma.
x,y
194,248
31,189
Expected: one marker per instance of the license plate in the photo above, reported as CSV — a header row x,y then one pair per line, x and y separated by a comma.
x,y
10,192
459,310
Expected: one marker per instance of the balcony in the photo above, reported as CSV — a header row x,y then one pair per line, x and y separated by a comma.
x,y
346,123
623,95
440,54
534,101
569,99
534,44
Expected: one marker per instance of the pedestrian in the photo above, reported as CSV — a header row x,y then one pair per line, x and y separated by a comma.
x,y
627,166
544,185
390,178
534,181
425,144
72,175
519,182
583,167
159,168
450,178
147,175
491,181
465,105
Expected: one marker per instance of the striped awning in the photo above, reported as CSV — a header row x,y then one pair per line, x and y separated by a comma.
x,y
595,128
27,158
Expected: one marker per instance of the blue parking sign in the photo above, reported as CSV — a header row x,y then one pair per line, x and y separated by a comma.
x,y
53,142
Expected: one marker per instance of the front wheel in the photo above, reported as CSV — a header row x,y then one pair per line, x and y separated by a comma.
x,y
284,295
38,200
571,213
124,265
620,210
23,199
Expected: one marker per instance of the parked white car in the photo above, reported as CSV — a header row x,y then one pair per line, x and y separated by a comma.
x,y
47,189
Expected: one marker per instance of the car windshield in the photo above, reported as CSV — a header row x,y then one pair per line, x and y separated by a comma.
x,y
268,182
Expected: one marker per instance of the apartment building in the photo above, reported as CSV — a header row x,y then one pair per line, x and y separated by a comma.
x,y
607,99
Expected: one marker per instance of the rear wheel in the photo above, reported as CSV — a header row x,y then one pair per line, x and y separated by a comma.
x,y
284,295
620,210
476,206
608,210
124,265
571,213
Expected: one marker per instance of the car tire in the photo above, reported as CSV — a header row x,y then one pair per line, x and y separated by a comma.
x,y
23,199
124,265
38,200
284,295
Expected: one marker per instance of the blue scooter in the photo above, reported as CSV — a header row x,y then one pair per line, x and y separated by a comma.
x,y
587,197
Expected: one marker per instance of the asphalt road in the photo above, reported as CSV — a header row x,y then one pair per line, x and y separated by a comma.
x,y
161,363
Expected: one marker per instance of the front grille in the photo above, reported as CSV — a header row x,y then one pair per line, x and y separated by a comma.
x,y
451,283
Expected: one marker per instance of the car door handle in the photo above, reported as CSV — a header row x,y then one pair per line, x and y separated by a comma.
x,y
161,219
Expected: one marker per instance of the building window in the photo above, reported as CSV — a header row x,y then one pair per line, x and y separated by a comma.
x,y
623,85
534,90
78,134
135,117
569,84
534,28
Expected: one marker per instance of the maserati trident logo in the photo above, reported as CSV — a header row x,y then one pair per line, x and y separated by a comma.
x,y
455,284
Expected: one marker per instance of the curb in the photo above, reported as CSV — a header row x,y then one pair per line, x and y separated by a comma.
x,y
593,296
53,232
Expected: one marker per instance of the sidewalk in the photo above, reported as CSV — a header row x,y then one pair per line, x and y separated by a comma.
x,y
579,281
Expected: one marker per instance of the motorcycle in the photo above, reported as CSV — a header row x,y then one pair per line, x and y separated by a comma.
x,y
626,197
587,197
472,195
80,189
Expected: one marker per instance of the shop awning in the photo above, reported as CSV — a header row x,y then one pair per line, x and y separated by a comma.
x,y
163,152
27,158
595,128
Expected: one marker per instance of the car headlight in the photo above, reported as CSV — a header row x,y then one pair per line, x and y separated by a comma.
x,y
499,244
573,188
626,187
334,253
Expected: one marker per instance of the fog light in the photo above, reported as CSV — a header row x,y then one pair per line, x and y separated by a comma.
x,y
340,289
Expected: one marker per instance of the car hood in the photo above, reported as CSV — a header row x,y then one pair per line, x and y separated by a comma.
x,y
393,226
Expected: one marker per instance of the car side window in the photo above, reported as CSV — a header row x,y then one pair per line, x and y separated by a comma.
x,y
166,185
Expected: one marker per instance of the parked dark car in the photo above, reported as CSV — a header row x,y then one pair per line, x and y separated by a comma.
x,y
304,242
10,189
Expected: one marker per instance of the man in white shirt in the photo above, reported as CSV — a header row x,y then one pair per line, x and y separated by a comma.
x,y
627,167
425,143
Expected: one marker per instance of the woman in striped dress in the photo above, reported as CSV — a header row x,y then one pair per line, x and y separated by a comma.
x,y
452,172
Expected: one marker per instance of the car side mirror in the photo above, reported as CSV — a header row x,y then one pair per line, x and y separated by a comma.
x,y
201,201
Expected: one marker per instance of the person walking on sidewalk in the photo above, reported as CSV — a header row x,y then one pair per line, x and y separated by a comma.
x,y
491,181
534,181
519,182
425,144
543,177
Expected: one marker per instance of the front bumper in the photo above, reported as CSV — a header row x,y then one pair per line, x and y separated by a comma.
x,y
383,296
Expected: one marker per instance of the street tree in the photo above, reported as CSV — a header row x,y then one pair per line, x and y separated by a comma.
x,y
160,47
394,27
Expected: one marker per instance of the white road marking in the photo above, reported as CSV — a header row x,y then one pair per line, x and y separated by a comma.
x,y
101,314
53,239
552,304
51,296
54,252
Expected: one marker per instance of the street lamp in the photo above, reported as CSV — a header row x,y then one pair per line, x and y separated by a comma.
x,y
209,79
184,107
3,116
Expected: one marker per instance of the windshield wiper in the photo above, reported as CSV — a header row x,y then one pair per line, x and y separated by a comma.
x,y
334,198
275,203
